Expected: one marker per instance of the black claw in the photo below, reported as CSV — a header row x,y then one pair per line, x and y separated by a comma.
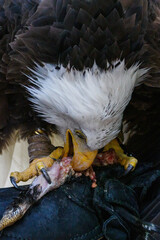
x,y
13,181
45,175
129,169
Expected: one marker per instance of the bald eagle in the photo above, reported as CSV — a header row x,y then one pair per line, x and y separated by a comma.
x,y
86,69
71,67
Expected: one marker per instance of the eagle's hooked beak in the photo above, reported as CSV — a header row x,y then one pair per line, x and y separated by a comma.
x,y
83,157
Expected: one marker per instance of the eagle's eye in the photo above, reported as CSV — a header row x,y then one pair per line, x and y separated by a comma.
x,y
80,134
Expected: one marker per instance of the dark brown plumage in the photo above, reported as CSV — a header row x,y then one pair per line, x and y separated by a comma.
x,y
143,113
75,32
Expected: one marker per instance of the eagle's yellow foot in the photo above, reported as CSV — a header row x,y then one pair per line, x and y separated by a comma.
x,y
36,167
113,153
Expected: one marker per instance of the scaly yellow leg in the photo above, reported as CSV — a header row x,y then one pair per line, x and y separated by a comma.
x,y
36,167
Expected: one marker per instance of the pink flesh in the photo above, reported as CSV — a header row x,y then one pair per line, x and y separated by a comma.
x,y
92,175
58,174
106,158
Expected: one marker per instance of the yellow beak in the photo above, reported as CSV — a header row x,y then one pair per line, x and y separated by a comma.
x,y
83,157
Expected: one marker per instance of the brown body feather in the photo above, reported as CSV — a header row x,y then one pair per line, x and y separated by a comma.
x,y
143,113
78,32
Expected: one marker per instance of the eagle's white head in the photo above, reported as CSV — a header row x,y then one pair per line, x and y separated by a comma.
x,y
90,102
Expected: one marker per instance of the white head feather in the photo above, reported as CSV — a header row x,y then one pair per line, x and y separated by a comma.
x,y
92,100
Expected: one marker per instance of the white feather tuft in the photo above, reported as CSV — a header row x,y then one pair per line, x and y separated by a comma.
x,y
92,100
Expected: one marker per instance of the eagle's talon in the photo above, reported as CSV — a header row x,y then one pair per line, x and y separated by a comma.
x,y
41,167
128,162
36,167
129,169
13,182
46,175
